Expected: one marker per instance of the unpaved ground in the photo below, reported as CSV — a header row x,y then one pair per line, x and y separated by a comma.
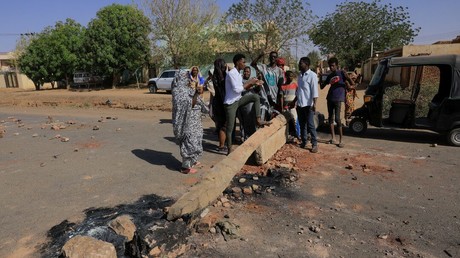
x,y
370,199
398,197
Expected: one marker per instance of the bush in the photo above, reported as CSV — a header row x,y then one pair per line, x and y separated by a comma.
x,y
425,96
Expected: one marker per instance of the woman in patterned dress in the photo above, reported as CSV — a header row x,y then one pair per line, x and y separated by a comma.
x,y
186,117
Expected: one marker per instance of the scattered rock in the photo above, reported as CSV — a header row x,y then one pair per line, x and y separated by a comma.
x,y
366,170
255,178
16,134
291,160
242,180
65,139
204,213
95,127
224,200
226,205
349,166
284,165
35,135
255,187
124,226
62,127
155,252
55,127
85,246
42,164
382,236
434,145
71,122
236,190
212,230
247,190
118,129
228,229
315,229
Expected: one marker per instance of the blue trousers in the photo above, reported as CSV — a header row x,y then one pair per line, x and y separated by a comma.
x,y
307,125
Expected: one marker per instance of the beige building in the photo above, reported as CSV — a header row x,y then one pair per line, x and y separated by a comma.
x,y
437,48
10,76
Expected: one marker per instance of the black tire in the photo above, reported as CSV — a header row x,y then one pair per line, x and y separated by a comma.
x,y
453,137
358,126
153,88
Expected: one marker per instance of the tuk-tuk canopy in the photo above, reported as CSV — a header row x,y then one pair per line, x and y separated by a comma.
x,y
451,60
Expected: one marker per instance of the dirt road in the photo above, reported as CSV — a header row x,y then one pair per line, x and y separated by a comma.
x,y
388,194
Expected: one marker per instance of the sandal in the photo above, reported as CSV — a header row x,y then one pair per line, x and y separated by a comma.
x,y
222,150
340,145
188,171
331,142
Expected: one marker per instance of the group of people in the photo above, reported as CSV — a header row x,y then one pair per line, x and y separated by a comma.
x,y
254,101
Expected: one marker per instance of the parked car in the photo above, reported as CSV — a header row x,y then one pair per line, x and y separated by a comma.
x,y
444,109
86,79
163,82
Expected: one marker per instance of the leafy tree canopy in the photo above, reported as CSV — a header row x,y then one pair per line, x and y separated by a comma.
x,y
52,55
349,31
116,40
261,26
182,30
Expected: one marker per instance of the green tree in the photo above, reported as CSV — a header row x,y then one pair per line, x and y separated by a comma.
x,y
33,60
51,55
183,30
349,31
315,57
261,26
65,43
117,40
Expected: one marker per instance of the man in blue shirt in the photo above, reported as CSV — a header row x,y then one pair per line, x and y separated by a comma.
x,y
306,96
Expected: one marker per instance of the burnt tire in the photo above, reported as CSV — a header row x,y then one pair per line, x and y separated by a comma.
x,y
153,88
358,126
453,137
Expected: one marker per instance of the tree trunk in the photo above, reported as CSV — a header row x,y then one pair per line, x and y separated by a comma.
x,y
37,85
115,80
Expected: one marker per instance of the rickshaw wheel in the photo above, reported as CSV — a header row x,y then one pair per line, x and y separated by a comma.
x,y
453,137
358,126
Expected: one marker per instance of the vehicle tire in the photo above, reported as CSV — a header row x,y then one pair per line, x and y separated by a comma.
x,y
153,88
453,137
358,126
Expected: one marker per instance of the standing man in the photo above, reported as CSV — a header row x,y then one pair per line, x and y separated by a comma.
x,y
306,96
273,77
233,99
335,97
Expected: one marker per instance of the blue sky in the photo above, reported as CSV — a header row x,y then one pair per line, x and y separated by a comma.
x,y
439,20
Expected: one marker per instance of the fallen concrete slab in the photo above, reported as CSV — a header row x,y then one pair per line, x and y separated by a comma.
x,y
219,177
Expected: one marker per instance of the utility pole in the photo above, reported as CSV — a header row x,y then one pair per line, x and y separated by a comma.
x,y
296,58
372,49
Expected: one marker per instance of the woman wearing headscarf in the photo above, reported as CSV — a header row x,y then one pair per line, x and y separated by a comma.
x,y
196,79
186,118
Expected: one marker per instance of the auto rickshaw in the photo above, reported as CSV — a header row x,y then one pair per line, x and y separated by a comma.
x,y
443,114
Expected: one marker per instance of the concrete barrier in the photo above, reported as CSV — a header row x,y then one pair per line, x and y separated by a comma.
x,y
266,141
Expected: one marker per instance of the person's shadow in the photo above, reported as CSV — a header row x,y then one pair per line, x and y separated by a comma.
x,y
159,158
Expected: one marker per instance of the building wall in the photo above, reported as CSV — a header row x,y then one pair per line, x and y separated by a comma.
x,y
437,49
369,65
